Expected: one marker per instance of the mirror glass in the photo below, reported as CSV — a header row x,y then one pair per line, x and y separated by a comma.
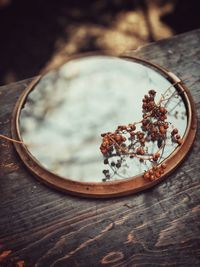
x,y
70,107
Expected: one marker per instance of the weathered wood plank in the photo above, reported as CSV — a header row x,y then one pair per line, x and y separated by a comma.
x,y
42,227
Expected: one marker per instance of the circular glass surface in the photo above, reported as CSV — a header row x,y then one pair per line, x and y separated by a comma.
x,y
68,109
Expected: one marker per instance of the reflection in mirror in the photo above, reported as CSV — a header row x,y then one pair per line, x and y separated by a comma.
x,y
70,107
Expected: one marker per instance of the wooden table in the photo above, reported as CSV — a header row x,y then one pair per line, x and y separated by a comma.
x,y
159,227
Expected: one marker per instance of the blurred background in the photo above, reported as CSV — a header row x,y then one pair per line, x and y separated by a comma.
x,y
37,33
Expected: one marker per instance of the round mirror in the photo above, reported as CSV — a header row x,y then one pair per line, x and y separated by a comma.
x,y
71,120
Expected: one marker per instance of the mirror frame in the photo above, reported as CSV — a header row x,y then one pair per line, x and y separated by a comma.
x,y
111,188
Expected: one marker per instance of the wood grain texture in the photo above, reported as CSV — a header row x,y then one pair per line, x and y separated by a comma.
x,y
159,227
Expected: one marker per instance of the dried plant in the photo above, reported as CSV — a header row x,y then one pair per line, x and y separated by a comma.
x,y
129,142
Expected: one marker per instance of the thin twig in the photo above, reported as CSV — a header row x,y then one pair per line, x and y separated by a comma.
x,y
10,139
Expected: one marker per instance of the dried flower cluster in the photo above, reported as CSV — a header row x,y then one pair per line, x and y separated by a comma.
x,y
128,141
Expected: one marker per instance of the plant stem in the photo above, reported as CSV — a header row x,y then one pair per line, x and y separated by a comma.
x,y
10,139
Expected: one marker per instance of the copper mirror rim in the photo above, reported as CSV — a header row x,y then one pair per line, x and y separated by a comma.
x,y
113,188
